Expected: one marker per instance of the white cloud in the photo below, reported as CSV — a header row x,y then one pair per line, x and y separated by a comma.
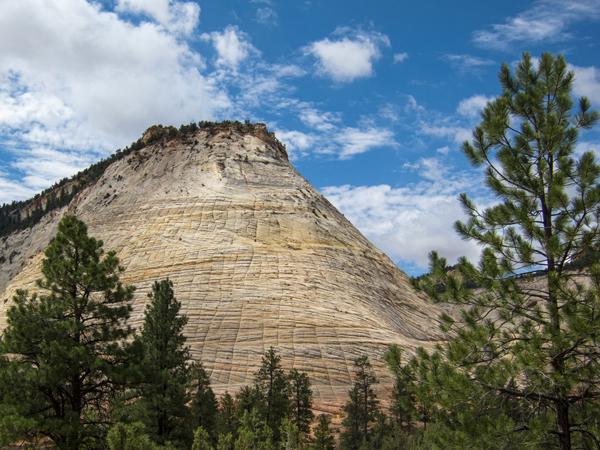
x,y
408,222
457,133
321,121
467,64
266,16
11,190
587,83
295,141
43,165
103,71
232,46
470,107
354,141
175,16
546,21
349,58
82,80
400,57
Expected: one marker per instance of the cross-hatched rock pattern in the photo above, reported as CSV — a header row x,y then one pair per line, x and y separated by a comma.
x,y
257,256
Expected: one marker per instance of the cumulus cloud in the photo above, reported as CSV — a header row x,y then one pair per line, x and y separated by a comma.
x,y
587,83
457,133
546,21
318,120
175,16
354,141
103,70
400,57
408,222
296,142
86,81
349,58
471,107
232,46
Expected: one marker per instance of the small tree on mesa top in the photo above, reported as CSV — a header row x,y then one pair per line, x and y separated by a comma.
x,y
523,370
67,346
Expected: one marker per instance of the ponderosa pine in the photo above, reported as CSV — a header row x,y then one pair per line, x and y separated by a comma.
x,y
522,371
66,345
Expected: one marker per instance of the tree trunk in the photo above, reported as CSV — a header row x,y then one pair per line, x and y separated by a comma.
x,y
563,425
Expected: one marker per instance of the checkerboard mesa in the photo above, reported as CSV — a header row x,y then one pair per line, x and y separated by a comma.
x,y
257,256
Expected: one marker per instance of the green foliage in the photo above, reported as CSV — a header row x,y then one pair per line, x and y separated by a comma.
x,y
361,407
163,395
204,403
273,388
254,434
522,369
301,400
226,420
66,345
322,439
129,437
202,440
291,437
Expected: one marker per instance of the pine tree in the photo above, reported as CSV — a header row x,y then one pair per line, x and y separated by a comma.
x,y
66,344
164,394
226,421
291,437
254,433
322,439
301,400
204,403
129,437
404,406
202,440
361,407
274,389
523,368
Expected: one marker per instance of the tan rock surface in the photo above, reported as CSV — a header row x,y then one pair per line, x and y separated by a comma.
x,y
257,256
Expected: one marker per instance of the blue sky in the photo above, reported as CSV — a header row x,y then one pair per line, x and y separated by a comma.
x,y
373,99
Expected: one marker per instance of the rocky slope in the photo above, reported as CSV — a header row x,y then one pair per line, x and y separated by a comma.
x,y
257,256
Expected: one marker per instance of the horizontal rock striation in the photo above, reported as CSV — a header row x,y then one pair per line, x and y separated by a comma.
x,y
257,256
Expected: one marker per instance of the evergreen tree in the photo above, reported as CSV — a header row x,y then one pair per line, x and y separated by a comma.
x,y
322,439
247,399
291,437
226,421
202,440
274,389
204,403
129,437
254,434
66,344
404,406
301,400
361,407
523,368
163,396
352,436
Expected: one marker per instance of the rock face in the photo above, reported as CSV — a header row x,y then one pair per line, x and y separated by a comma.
x,y
257,256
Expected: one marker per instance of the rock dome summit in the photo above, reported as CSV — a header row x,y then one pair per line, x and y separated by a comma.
x,y
257,256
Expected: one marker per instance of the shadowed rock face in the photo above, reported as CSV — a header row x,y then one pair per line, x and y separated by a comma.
x,y
257,256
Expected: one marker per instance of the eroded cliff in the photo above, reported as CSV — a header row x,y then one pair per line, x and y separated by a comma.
x,y
257,256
